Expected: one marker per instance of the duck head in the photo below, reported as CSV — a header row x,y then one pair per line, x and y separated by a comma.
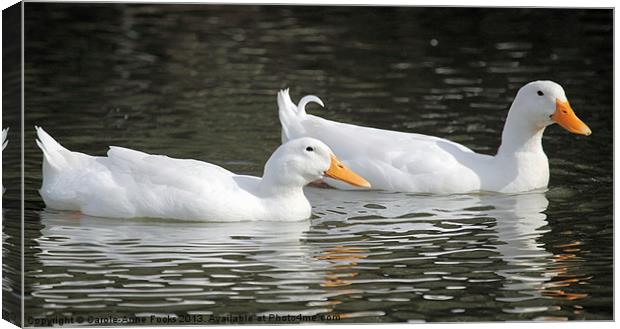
x,y
543,103
304,160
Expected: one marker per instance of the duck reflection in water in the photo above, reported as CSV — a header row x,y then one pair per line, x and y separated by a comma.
x,y
533,270
514,227
350,248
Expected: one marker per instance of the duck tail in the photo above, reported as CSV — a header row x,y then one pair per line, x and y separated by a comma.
x,y
301,107
5,133
52,150
291,114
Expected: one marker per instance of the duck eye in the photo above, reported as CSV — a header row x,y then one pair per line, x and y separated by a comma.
x,y
309,149
540,93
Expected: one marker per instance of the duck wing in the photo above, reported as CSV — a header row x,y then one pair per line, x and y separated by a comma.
x,y
392,160
185,174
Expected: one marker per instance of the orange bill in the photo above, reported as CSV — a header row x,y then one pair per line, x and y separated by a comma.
x,y
339,171
566,117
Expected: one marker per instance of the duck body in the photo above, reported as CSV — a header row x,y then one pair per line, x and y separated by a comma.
x,y
410,162
406,162
128,183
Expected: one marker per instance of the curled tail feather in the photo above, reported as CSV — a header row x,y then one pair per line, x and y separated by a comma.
x,y
291,114
301,107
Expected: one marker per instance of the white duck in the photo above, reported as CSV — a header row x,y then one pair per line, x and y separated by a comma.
x,y
130,183
408,162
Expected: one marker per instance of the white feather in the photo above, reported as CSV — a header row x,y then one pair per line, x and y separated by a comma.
x,y
5,133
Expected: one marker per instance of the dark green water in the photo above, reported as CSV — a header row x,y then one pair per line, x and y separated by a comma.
x,y
200,82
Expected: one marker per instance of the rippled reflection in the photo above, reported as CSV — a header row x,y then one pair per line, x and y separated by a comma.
x,y
366,252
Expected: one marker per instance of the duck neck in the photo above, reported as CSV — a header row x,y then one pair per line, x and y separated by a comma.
x,y
520,136
277,183
274,187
